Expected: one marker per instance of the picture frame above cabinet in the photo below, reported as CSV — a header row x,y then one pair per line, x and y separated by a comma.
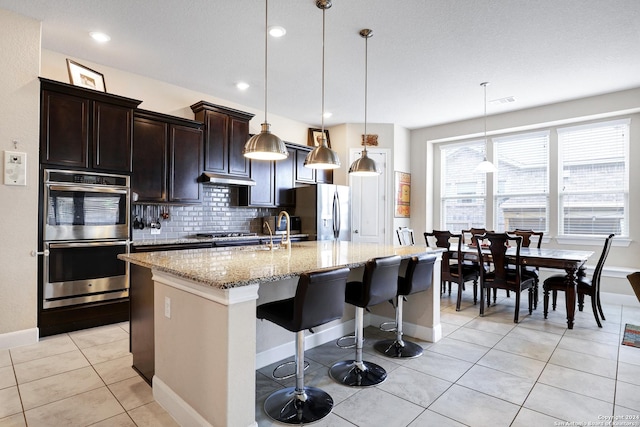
x,y
82,129
167,158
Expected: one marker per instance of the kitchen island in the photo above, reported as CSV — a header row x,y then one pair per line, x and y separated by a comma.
x,y
205,319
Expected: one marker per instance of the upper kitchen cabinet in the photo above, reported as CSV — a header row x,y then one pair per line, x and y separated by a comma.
x,y
307,175
167,158
85,129
226,132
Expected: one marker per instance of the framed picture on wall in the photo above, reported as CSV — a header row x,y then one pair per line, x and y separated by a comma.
x,y
315,136
403,195
85,77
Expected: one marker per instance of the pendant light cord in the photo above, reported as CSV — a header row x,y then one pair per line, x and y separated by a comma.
x,y
322,141
366,68
266,37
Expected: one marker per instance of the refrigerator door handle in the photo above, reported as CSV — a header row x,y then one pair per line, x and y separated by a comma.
x,y
336,215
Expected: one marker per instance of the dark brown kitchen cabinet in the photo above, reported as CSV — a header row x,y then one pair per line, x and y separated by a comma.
x,y
263,193
167,158
226,132
85,129
304,174
285,172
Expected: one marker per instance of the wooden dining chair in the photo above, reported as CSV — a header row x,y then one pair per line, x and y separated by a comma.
x,y
453,269
529,237
468,236
584,286
634,280
499,275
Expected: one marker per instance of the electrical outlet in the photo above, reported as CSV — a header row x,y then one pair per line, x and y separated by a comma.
x,y
15,168
155,231
167,307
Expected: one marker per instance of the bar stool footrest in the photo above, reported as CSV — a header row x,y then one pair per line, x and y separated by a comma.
x,y
348,373
282,365
389,326
395,349
287,407
352,337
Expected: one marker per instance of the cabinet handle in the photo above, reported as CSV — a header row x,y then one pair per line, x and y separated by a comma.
x,y
36,253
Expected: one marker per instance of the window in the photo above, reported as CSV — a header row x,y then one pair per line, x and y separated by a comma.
x,y
463,191
522,182
594,179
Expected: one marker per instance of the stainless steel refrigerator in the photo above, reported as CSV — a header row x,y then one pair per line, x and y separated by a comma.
x,y
324,211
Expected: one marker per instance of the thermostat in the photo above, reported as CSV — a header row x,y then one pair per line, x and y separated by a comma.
x,y
15,168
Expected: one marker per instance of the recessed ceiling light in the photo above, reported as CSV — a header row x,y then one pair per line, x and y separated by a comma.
x,y
242,85
277,31
99,37
327,114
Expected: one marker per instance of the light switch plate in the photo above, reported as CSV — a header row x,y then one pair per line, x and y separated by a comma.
x,y
15,168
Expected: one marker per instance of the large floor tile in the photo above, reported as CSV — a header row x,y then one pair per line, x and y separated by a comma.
x,y
497,384
16,420
606,351
584,362
382,409
513,364
459,349
476,336
414,386
7,377
103,352
51,365
584,383
96,336
9,402
473,408
47,346
439,365
566,405
543,325
629,354
5,358
629,373
116,370
121,420
526,348
595,335
501,328
132,392
527,418
628,395
152,415
535,336
79,410
430,418
50,389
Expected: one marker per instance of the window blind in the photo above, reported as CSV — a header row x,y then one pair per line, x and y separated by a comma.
x,y
522,182
462,190
594,181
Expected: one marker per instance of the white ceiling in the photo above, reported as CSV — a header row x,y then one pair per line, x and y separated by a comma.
x,y
427,58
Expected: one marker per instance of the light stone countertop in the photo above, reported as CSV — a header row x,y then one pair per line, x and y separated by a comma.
x,y
192,239
232,267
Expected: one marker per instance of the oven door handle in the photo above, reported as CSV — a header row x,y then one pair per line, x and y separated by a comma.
x,y
85,244
36,253
87,189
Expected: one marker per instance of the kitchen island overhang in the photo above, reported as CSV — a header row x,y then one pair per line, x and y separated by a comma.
x,y
205,353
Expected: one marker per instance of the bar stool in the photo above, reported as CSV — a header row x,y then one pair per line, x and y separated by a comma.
x,y
379,284
418,277
319,299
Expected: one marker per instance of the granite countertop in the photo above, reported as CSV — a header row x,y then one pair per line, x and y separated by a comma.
x,y
237,266
191,240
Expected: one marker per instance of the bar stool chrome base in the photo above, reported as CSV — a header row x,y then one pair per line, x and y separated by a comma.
x,y
398,349
358,374
291,407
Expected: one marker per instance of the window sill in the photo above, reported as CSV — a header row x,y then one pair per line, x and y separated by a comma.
x,y
592,241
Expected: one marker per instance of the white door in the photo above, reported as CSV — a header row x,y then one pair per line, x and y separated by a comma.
x,y
368,201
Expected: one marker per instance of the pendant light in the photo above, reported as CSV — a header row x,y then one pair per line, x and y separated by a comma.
x,y
265,145
322,157
485,166
364,166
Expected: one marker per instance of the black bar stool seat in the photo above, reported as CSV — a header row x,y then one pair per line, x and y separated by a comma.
x,y
319,299
379,284
418,278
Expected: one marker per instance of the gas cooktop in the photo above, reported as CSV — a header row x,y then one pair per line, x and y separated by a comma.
x,y
208,235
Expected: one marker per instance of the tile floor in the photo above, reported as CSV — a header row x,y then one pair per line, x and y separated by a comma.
x,y
484,372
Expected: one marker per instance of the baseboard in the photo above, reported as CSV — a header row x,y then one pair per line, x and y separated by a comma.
x,y
275,354
19,338
180,410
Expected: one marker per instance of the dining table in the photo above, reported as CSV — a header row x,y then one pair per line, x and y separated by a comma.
x,y
568,260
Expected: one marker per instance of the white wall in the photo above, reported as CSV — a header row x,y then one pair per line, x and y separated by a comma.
x,y
20,112
425,180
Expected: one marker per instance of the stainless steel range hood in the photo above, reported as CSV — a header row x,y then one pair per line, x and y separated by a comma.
x,y
215,178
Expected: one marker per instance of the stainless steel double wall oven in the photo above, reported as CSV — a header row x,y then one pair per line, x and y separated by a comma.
x,y
85,227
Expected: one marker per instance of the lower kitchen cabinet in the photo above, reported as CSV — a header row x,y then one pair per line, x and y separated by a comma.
x,y
167,158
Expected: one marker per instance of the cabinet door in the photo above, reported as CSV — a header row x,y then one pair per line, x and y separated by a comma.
x,y
262,194
64,138
112,137
324,176
238,136
185,151
149,177
216,142
285,172
304,174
